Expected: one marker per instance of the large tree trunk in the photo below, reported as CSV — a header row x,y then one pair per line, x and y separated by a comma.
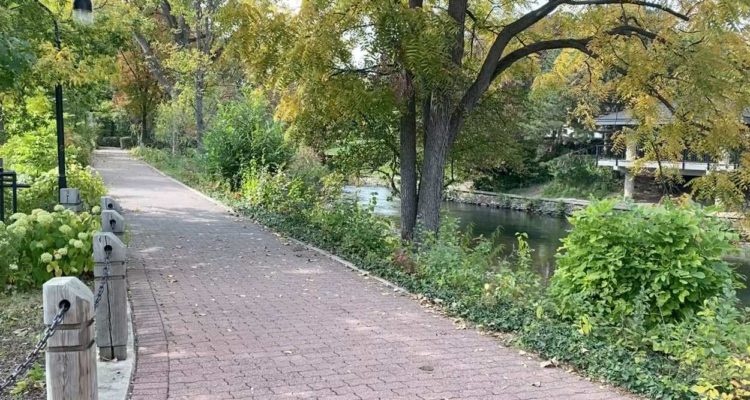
x,y
408,163
438,139
200,126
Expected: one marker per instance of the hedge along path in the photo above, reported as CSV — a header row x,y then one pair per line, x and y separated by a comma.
x,y
225,309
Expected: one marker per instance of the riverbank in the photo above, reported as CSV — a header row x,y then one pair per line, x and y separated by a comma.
x,y
548,206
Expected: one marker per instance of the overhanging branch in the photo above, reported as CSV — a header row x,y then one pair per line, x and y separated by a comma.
x,y
633,2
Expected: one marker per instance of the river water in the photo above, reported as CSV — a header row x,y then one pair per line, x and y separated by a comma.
x,y
544,232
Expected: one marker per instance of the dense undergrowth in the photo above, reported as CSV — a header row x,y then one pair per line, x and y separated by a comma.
x,y
640,300
43,240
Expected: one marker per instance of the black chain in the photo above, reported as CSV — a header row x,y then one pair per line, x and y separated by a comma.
x,y
105,278
34,355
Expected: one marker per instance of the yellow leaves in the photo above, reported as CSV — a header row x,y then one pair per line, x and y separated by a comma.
x,y
54,66
584,325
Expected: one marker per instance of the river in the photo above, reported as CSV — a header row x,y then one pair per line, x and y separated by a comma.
x,y
544,232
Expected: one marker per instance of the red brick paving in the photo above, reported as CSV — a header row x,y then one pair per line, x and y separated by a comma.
x,y
225,309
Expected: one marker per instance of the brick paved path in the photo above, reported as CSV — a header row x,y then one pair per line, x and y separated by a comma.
x,y
224,309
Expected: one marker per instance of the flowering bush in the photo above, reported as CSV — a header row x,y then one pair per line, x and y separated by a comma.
x,y
44,190
38,246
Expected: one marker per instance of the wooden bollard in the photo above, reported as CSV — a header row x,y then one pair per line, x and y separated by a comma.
x,y
112,312
108,203
70,198
70,356
113,222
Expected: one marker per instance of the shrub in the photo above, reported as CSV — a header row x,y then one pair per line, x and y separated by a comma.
x,y
576,175
34,153
45,245
43,192
244,133
662,262
126,142
108,141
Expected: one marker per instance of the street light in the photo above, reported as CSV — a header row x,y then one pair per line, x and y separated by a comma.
x,y
82,13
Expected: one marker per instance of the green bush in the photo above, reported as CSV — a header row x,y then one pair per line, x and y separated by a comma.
x,y
576,175
125,142
43,192
38,246
34,153
244,133
656,264
108,141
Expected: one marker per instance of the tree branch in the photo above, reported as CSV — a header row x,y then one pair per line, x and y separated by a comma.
x,y
633,2
153,63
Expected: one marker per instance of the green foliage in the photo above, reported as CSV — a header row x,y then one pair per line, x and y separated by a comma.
x,y
42,245
34,153
663,262
454,259
576,175
244,133
43,192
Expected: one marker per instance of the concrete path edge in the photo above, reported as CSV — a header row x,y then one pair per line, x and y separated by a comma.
x,y
114,376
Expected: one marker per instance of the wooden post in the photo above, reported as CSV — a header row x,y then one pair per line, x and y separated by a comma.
x,y
70,356
108,203
113,222
70,198
112,312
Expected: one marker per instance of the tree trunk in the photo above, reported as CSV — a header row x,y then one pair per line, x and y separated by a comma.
x,y
438,139
200,84
408,152
408,163
144,121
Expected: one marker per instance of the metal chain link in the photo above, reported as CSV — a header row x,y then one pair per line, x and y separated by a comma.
x,y
34,355
105,278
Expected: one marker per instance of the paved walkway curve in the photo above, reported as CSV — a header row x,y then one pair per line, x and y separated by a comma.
x,y
225,309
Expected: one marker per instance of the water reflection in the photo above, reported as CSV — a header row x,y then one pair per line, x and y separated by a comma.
x,y
544,232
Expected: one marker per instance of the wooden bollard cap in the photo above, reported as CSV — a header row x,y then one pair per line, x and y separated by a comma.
x,y
104,241
112,221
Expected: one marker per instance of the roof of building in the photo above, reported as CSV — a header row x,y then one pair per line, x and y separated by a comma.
x,y
625,118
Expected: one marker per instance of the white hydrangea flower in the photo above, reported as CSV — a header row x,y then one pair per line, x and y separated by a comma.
x,y
83,235
96,210
65,229
63,251
46,258
78,244
45,219
17,216
13,267
59,208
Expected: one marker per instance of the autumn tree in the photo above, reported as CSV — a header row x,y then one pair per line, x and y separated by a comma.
x,y
137,91
181,42
438,61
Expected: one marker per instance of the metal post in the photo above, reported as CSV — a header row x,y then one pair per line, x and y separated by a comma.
x,y
14,185
2,192
61,180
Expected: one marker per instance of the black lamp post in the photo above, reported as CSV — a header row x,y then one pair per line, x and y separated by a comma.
x,y
83,13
